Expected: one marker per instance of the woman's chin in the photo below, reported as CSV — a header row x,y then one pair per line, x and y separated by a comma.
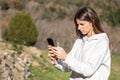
x,y
83,33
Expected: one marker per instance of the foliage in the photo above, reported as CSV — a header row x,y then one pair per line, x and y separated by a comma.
x,y
112,16
21,30
4,5
109,10
17,48
18,4
43,1
54,12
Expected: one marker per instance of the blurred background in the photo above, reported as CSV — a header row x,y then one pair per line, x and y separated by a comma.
x,y
31,22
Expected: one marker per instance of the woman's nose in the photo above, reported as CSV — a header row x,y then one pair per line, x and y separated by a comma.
x,y
79,27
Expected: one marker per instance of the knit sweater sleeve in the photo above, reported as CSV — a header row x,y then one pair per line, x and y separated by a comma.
x,y
61,65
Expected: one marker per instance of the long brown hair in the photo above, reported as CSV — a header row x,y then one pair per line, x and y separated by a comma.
x,y
88,14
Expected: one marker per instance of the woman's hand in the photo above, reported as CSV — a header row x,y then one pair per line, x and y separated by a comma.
x,y
52,55
60,53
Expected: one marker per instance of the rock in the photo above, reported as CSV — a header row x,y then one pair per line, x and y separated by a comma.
x,y
34,51
18,75
15,66
18,67
27,73
35,64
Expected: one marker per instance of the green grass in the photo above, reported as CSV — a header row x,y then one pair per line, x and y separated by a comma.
x,y
46,71
115,68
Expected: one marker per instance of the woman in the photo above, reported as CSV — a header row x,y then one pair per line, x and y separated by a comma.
x,y
90,57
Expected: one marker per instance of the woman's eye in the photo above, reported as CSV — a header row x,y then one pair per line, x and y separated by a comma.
x,y
80,24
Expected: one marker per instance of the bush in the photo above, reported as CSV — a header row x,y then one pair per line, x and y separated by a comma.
x,y
54,12
21,30
112,16
4,5
17,4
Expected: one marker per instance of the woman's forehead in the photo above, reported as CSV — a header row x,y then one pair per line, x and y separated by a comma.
x,y
81,21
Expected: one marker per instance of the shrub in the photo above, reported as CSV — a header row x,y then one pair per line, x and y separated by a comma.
x,y
17,4
21,30
54,12
114,17
4,5
18,48
111,12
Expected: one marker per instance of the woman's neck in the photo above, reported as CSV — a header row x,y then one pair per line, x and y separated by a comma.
x,y
91,33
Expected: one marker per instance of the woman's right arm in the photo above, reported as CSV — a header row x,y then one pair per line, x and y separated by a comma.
x,y
62,66
58,63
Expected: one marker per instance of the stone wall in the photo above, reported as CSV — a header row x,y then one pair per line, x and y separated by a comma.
x,y
14,65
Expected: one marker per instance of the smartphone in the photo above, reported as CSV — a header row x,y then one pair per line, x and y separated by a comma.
x,y
50,41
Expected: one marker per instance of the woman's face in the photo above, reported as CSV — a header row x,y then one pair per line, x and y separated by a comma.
x,y
85,27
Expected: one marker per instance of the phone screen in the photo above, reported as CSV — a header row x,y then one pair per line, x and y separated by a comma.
x,y
50,41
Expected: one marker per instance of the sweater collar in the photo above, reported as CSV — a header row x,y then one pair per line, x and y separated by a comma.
x,y
95,37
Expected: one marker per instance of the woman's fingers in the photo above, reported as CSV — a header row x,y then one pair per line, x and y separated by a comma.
x,y
49,47
53,58
57,51
51,55
51,52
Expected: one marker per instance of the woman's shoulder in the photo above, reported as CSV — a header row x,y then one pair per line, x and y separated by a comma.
x,y
78,39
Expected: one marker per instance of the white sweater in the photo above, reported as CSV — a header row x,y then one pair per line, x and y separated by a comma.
x,y
89,59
